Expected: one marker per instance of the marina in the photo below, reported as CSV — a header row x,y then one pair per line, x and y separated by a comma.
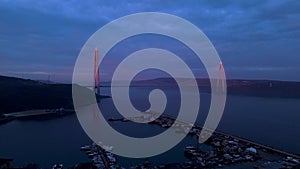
x,y
226,150
100,158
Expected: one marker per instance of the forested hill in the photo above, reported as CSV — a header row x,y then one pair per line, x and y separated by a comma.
x,y
20,94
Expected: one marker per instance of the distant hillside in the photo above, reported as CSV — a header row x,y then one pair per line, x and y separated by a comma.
x,y
264,88
259,88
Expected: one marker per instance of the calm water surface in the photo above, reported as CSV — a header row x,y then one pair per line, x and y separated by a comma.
x,y
271,121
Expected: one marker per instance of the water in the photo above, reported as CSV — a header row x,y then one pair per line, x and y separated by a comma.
x,y
45,142
271,121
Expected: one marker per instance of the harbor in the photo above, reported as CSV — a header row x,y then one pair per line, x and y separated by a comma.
x,y
225,150
100,157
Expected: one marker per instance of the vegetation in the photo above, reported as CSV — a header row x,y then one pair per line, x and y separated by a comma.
x,y
19,95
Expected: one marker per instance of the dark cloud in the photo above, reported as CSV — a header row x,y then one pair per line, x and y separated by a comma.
x,y
46,36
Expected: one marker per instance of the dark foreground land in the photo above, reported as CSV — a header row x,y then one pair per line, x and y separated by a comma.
x,y
20,95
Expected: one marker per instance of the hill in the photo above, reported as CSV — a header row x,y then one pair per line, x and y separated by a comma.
x,y
21,94
259,88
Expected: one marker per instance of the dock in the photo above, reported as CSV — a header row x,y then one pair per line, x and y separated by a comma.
x,y
100,158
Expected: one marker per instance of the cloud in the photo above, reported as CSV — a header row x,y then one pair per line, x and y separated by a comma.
x,y
48,35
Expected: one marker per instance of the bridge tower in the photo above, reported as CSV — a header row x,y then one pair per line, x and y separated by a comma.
x,y
96,73
221,80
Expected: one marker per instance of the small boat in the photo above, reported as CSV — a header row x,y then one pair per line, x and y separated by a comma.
x,y
107,148
85,148
59,166
91,155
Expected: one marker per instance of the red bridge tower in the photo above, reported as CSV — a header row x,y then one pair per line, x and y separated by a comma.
x,y
96,73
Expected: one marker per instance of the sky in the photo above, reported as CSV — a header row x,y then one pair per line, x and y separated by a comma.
x,y
255,39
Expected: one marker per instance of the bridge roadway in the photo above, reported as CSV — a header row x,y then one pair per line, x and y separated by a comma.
x,y
39,112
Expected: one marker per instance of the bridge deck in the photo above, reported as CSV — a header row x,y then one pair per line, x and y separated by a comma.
x,y
30,113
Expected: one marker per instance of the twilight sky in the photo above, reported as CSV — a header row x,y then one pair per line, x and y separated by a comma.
x,y
255,39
